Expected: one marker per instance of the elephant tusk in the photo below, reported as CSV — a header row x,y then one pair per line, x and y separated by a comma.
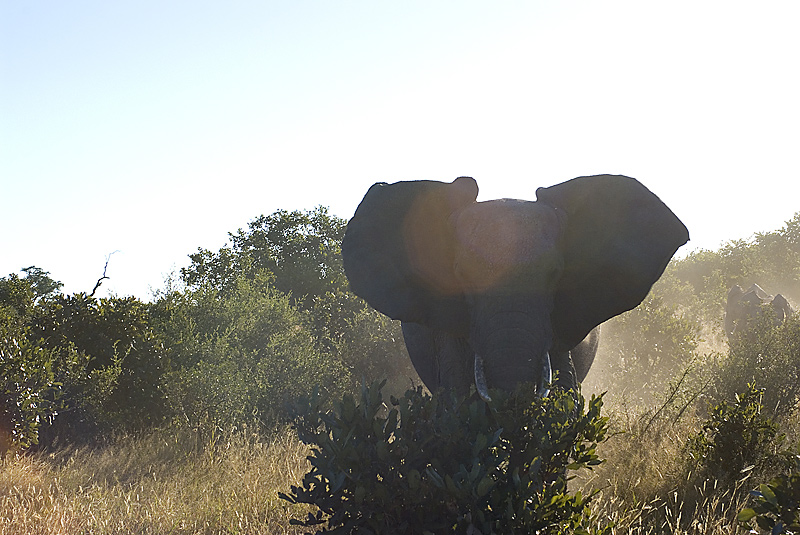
x,y
480,379
547,377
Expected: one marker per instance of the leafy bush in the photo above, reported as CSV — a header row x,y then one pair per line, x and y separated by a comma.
x,y
439,464
32,374
736,436
240,355
769,356
29,392
121,388
777,503
371,346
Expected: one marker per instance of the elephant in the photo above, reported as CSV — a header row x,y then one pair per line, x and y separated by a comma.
x,y
503,292
744,308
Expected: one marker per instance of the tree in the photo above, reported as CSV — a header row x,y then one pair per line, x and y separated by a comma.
x,y
40,281
32,375
127,358
301,249
299,254
239,355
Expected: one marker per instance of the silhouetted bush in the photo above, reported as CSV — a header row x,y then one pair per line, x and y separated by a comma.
x,y
440,464
776,507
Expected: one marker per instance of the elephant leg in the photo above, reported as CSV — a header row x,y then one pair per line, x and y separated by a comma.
x,y
583,354
782,309
573,364
441,359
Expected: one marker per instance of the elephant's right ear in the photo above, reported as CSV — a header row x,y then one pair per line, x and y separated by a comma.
x,y
399,247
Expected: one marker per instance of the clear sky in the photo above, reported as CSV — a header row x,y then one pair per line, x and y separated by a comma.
x,y
153,128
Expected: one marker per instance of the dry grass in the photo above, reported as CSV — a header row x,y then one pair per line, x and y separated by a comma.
x,y
157,485
165,484
646,486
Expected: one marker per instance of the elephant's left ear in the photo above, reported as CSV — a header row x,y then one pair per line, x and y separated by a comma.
x,y
617,241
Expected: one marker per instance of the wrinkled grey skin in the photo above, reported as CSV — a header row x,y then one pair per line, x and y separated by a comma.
x,y
744,308
507,284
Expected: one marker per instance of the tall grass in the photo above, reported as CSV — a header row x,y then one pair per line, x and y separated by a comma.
x,y
160,484
647,486
171,483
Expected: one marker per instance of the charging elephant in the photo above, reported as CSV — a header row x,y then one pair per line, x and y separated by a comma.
x,y
744,308
501,292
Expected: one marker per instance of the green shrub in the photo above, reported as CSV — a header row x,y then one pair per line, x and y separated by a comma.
x,y
769,356
440,464
736,436
30,386
120,389
776,507
239,356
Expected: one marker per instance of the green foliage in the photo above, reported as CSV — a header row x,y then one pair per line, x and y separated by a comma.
x,y
776,507
736,436
439,464
29,391
16,298
120,390
371,346
301,249
32,374
300,254
41,283
768,355
239,355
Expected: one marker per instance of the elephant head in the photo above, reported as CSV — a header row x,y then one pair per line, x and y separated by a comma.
x,y
503,291
744,308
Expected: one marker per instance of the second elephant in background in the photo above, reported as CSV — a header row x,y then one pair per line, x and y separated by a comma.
x,y
745,308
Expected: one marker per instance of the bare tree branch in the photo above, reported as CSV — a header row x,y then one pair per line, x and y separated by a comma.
x,y
104,277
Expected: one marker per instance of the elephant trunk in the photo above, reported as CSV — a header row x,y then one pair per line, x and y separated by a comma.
x,y
483,388
512,348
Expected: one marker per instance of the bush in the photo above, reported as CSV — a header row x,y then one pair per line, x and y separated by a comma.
x,y
120,389
777,503
239,356
736,436
769,356
31,378
440,464
372,347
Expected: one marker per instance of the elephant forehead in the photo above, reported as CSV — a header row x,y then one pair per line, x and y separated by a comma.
x,y
507,232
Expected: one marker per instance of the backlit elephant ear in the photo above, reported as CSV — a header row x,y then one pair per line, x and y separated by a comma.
x,y
398,251
618,239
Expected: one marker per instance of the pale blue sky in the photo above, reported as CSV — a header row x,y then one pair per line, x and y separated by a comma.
x,y
154,128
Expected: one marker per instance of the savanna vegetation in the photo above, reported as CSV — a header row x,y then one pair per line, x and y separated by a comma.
x,y
175,415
